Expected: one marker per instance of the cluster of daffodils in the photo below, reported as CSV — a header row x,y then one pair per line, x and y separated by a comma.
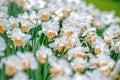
x,y
58,40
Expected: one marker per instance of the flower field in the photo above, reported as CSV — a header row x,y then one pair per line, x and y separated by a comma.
x,y
58,40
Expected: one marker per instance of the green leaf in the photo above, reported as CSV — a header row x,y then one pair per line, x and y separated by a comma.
x,y
14,9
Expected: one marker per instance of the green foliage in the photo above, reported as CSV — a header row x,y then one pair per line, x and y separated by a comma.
x,y
107,5
14,9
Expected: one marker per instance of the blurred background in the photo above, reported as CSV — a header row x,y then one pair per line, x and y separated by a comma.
x,y
106,5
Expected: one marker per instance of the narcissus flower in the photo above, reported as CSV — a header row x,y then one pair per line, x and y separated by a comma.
x,y
19,38
27,60
50,29
79,65
20,75
59,67
12,65
58,40
43,53
78,52
58,15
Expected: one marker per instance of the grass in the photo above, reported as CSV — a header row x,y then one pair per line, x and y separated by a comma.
x,y
107,5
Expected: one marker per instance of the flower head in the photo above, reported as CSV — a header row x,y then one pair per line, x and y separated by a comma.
x,y
19,38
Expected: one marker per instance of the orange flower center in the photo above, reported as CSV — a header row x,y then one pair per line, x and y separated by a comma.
x,y
24,28
42,58
25,64
78,68
61,47
81,55
13,24
10,70
44,16
18,41
50,34
103,63
2,28
55,71
97,50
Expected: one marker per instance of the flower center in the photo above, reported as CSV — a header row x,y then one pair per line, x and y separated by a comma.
x,y
70,33
61,47
25,64
83,29
24,28
103,63
2,28
97,50
50,34
18,41
78,68
13,24
80,55
44,16
42,58
10,70
55,71
97,25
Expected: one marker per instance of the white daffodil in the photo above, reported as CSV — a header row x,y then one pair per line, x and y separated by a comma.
x,y
107,18
27,60
20,75
43,14
79,65
13,22
97,74
73,1
59,67
27,21
43,53
104,62
100,47
110,34
50,29
3,27
19,38
12,65
30,4
58,15
66,26
89,30
61,78
59,43
78,52
78,76
116,47
64,42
